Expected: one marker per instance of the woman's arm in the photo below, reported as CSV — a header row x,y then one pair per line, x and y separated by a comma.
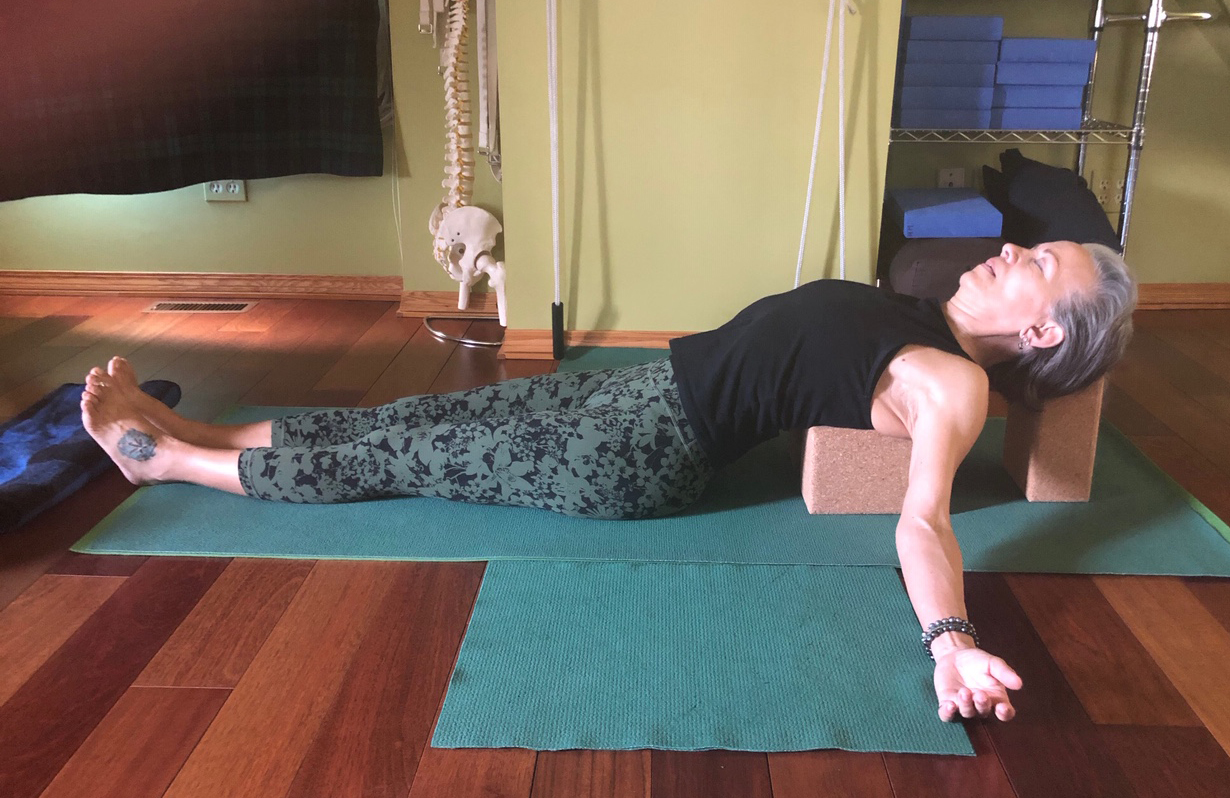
x,y
945,413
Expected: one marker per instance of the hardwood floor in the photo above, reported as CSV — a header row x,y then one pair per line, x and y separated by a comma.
x,y
143,677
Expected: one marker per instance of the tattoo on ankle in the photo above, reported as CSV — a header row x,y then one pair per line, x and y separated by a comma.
x,y
136,445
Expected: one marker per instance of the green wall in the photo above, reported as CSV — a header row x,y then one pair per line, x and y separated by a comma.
x,y
686,134
686,131
1181,223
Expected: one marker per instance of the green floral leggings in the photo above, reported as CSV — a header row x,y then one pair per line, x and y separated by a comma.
x,y
602,444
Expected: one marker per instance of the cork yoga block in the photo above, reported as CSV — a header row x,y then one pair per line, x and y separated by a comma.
x,y
1049,453
848,471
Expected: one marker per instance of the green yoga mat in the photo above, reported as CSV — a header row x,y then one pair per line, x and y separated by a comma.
x,y
622,656
1139,522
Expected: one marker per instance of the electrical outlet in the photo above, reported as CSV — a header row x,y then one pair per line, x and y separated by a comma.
x,y
953,177
1114,195
1103,192
226,191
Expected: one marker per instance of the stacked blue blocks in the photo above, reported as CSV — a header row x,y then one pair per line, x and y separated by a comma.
x,y
959,72
943,213
948,71
1040,83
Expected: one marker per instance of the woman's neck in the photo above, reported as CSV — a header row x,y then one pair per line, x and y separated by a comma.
x,y
987,349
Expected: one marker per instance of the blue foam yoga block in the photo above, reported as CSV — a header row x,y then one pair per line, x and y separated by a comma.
x,y
945,118
1036,118
976,75
1038,96
942,52
1039,73
944,213
947,97
955,28
1074,51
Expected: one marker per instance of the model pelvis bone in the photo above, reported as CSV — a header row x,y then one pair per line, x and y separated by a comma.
x,y
464,238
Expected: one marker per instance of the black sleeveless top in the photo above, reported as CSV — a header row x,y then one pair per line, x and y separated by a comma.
x,y
809,357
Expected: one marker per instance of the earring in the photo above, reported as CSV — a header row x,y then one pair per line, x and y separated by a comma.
x,y
1020,344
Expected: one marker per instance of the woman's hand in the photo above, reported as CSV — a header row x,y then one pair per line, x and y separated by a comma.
x,y
971,683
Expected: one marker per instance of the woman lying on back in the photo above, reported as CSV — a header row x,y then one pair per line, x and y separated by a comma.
x,y
644,441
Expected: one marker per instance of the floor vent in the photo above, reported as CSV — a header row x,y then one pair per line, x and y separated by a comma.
x,y
199,307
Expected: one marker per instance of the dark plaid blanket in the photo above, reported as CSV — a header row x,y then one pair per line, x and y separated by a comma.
x,y
136,96
46,455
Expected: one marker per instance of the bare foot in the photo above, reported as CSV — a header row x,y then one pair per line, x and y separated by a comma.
x,y
121,375
138,447
124,374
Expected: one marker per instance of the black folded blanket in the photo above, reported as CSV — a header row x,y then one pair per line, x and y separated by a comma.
x,y
46,455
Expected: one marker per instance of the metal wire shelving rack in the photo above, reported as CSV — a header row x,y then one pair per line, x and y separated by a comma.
x,y
1092,131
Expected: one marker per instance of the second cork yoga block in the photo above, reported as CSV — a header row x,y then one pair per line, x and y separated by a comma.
x,y
849,471
1050,452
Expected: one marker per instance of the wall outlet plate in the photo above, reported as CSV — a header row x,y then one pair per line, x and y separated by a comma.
x,y
226,191
1102,190
953,177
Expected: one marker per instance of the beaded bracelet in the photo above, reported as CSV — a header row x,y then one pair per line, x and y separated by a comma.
x,y
953,624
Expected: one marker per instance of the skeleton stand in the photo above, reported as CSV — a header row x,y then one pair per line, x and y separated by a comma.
x,y
464,235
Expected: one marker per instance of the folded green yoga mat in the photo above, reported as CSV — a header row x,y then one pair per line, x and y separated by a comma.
x,y
622,656
1139,521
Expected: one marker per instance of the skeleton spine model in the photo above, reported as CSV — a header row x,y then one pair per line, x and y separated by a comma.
x,y
463,234
459,159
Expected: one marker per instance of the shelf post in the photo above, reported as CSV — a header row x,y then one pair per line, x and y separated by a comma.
x,y
1148,57
1096,25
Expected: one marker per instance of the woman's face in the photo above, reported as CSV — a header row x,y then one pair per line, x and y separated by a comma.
x,y
1016,289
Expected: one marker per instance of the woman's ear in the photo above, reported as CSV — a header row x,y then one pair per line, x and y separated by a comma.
x,y
1044,336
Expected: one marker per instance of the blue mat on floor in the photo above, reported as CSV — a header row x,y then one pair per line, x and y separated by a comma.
x,y
622,656
1139,521
46,455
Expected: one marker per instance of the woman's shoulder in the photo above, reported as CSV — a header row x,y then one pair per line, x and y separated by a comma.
x,y
923,381
940,376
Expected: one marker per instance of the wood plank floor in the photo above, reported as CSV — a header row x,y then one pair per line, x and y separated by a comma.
x,y
144,677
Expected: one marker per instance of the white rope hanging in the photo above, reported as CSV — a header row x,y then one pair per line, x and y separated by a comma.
x,y
553,107
841,137
815,141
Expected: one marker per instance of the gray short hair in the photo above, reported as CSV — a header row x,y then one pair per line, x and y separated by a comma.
x,y
1097,327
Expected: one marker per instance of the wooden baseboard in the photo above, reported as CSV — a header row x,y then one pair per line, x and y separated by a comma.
x,y
200,285
1183,296
1153,296
536,344
443,305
